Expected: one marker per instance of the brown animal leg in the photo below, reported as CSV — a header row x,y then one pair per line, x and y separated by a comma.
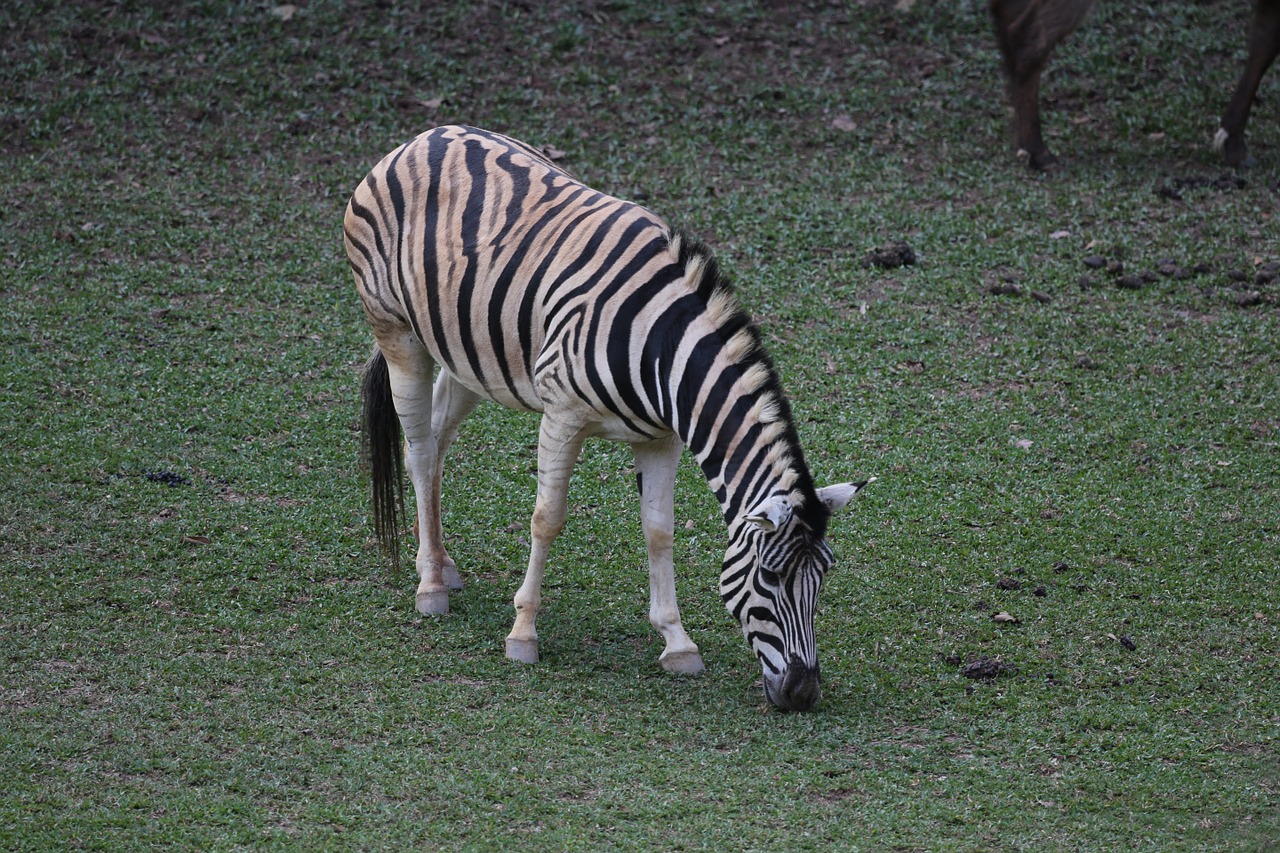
x,y
1264,43
1027,31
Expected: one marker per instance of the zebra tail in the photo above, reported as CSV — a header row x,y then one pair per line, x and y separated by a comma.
x,y
383,452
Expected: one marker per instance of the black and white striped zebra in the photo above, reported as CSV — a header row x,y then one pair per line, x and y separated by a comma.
x,y
475,253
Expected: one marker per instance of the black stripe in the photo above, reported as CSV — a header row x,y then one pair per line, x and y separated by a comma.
x,y
474,156
659,352
499,285
694,372
618,346
374,288
396,194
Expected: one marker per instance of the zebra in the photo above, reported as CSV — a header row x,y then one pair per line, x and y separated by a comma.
x,y
475,253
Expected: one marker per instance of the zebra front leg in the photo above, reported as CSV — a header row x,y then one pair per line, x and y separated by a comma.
x,y
656,463
558,447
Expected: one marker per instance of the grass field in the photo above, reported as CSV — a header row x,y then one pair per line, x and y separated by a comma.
x,y
203,650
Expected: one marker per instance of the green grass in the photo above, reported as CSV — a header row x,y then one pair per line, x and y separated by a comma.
x,y
226,662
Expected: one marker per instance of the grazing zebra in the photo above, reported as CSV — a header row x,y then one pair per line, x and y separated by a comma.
x,y
474,253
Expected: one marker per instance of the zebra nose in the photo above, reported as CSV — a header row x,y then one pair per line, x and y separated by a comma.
x,y
798,689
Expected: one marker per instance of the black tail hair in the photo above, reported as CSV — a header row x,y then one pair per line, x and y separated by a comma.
x,y
383,451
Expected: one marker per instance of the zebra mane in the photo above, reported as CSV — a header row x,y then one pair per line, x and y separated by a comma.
x,y
704,274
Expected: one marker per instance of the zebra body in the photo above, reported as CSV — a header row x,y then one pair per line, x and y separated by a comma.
x,y
474,253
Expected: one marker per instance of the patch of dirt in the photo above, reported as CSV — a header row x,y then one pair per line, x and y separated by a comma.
x,y
984,668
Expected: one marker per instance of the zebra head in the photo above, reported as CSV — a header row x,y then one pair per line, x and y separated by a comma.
x,y
770,582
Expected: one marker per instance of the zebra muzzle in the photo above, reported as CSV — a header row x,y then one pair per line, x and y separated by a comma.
x,y
798,688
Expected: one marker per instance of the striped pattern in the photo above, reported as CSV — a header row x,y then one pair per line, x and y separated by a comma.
x,y
474,253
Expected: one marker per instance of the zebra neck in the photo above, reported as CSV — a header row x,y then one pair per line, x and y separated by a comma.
x,y
739,430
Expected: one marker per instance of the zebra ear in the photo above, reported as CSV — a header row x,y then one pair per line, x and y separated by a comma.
x,y
770,514
835,497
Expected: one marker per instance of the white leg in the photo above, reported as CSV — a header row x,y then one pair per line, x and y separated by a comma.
x,y
656,477
558,446
410,369
450,405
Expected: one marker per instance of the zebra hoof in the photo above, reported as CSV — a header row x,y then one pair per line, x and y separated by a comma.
x,y
523,651
685,663
432,603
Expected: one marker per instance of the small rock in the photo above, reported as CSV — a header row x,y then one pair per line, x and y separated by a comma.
x,y
1041,297
1236,275
1061,567
891,256
1086,282
1202,269
1040,591
1167,269
1115,268
1130,282
1248,298
1005,289
1229,181
1127,642
1095,262
1008,583
1083,362
1264,277
168,478
1149,277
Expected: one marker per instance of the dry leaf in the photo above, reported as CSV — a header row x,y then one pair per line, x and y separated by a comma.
x,y
1002,616
552,152
196,540
284,11
1058,235
720,41
843,122
1023,444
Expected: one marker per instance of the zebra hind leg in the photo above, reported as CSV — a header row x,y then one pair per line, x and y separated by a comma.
x,y
451,403
655,478
558,447
410,370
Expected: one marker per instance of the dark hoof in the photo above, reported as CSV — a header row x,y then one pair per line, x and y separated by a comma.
x,y
1234,151
1040,161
